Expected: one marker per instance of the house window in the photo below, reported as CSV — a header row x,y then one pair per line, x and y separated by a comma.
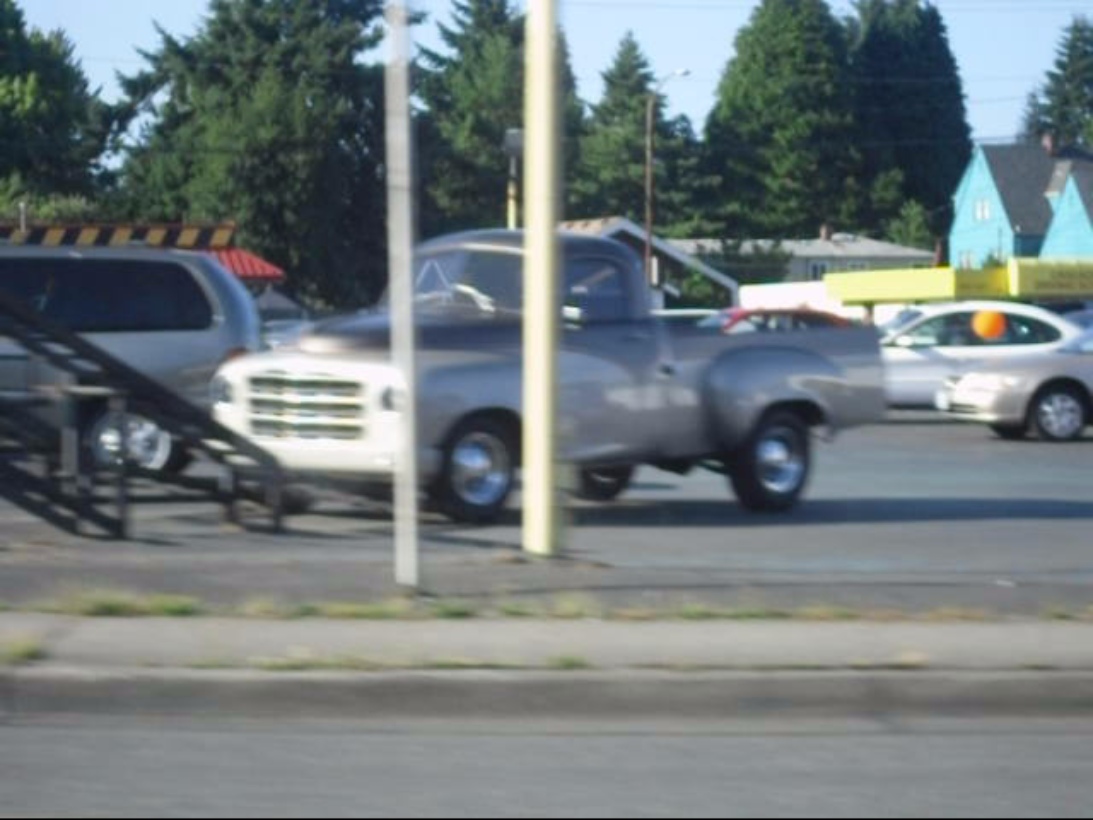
x,y
983,210
816,270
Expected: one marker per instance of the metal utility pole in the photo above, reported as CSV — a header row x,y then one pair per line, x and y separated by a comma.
x,y
400,191
542,513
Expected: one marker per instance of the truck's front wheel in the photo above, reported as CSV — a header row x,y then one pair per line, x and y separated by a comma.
x,y
770,472
479,471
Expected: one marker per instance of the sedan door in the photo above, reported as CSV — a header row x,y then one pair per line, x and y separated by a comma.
x,y
925,355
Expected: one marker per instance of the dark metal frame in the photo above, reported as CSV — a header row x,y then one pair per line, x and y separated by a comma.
x,y
92,375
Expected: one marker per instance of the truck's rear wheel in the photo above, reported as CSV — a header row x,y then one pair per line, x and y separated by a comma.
x,y
604,484
479,471
770,472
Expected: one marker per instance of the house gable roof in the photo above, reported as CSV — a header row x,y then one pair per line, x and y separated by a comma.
x,y
1023,175
1083,181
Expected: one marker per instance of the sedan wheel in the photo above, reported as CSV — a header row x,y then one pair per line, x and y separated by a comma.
x,y
1059,414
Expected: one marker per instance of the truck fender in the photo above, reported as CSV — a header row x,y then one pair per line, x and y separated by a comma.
x,y
741,386
451,394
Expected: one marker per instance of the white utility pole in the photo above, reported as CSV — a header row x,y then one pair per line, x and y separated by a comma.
x,y
542,513
400,202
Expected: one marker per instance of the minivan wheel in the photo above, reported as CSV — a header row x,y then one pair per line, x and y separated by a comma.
x,y
149,446
1059,413
478,473
604,484
770,472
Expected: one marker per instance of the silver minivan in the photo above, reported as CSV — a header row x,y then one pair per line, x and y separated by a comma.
x,y
176,316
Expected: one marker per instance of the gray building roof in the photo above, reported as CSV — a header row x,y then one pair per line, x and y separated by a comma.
x,y
1023,174
839,246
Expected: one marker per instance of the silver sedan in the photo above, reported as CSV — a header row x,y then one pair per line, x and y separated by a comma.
x,y
937,342
1050,394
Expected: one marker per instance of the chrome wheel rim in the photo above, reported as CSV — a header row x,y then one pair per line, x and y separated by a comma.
x,y
481,469
1061,415
781,462
149,447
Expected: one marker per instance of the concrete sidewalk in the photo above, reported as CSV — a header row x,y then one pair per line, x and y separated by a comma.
x,y
547,668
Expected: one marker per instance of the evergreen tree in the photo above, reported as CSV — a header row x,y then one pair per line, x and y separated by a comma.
x,y
913,132
911,227
473,92
53,129
269,118
611,179
1063,108
780,136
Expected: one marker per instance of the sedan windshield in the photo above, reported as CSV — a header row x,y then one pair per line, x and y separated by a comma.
x,y
900,321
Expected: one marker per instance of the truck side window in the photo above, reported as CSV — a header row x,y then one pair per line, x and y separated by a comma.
x,y
596,288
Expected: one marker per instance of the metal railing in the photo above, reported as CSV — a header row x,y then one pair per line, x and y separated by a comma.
x,y
87,374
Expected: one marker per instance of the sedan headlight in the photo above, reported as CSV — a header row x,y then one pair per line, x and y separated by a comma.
x,y
220,390
989,382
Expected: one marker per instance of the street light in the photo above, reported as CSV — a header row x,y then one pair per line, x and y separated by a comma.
x,y
650,117
514,148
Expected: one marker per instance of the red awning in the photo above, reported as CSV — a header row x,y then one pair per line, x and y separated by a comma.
x,y
247,266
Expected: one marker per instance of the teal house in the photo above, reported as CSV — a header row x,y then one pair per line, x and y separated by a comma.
x,y
1022,201
1071,233
1000,208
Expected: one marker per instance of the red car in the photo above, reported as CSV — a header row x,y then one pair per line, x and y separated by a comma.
x,y
773,320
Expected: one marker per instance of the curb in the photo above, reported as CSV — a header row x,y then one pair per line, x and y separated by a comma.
x,y
628,694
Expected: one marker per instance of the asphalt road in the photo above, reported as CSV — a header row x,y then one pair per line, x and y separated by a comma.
x,y
170,768
916,514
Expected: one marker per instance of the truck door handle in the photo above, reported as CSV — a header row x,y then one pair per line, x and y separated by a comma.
x,y
669,369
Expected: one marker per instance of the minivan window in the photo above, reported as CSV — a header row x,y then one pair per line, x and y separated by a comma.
x,y
109,296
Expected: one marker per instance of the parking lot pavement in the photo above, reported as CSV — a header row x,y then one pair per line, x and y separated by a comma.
x,y
915,516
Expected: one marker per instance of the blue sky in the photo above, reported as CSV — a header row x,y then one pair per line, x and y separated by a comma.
x,y
1003,47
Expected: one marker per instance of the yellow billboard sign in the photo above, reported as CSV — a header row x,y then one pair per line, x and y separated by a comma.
x,y
917,285
1047,279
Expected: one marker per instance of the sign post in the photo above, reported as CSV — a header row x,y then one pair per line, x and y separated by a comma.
x,y
403,327
542,514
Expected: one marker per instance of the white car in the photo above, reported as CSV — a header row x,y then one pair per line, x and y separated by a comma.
x,y
933,343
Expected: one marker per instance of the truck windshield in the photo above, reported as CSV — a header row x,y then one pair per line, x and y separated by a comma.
x,y
487,281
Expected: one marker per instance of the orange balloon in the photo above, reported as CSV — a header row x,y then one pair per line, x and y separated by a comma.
x,y
989,325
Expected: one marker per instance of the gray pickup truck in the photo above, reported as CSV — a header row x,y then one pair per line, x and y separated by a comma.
x,y
634,390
